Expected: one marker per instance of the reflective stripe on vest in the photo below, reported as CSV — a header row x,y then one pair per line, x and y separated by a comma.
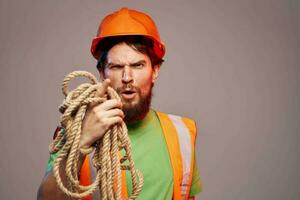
x,y
180,135
185,150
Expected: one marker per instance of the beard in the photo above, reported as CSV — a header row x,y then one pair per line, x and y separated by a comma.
x,y
136,111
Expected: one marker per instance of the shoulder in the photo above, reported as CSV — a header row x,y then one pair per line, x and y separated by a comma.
x,y
181,121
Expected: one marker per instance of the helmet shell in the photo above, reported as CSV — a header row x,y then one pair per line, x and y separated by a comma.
x,y
128,22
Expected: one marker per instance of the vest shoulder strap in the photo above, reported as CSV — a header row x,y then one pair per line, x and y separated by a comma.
x,y
180,135
85,175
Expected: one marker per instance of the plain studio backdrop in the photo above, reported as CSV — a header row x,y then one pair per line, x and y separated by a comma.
x,y
233,66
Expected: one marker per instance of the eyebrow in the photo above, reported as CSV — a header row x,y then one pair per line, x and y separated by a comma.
x,y
131,64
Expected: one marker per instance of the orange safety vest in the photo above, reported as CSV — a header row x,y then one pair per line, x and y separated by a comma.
x,y
180,135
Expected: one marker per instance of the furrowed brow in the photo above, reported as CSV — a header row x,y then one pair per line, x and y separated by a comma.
x,y
113,64
138,63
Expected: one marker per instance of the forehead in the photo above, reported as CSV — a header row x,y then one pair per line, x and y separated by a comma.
x,y
124,54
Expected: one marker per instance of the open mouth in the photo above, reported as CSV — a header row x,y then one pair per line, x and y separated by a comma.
x,y
128,94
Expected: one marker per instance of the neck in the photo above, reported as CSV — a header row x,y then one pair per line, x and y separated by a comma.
x,y
142,122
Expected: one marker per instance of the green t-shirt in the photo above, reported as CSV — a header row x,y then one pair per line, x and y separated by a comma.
x,y
151,157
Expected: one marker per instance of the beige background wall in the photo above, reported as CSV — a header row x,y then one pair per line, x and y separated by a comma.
x,y
233,65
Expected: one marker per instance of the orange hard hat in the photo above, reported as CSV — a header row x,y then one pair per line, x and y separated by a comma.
x,y
128,22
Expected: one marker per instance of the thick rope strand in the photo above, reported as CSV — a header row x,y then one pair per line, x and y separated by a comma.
x,y
107,158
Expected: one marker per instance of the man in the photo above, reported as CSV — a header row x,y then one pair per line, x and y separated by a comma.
x,y
129,53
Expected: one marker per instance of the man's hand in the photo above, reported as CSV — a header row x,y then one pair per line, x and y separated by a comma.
x,y
100,117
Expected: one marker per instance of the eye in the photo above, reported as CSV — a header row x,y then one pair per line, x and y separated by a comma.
x,y
115,67
138,65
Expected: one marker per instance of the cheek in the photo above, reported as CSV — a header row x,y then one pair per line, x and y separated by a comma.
x,y
144,82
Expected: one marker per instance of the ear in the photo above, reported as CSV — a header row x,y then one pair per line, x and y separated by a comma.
x,y
155,72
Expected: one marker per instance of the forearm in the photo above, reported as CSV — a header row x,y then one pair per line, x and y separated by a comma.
x,y
49,190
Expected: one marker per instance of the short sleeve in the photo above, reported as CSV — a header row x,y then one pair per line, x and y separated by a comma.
x,y
196,182
50,162
59,132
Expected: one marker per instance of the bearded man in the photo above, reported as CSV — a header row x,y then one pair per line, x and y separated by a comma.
x,y
129,54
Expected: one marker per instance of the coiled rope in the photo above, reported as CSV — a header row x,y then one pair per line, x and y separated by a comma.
x,y
107,158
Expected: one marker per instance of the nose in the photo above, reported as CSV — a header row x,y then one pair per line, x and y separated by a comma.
x,y
127,75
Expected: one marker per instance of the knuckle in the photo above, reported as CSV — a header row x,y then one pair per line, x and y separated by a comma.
x,y
119,119
94,110
119,103
99,117
103,123
105,126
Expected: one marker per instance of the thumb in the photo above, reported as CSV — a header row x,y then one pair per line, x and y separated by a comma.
x,y
102,87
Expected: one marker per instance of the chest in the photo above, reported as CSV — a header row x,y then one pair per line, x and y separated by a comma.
x,y
151,157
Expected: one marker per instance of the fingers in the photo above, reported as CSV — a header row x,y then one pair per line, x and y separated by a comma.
x,y
113,113
102,87
114,120
108,105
